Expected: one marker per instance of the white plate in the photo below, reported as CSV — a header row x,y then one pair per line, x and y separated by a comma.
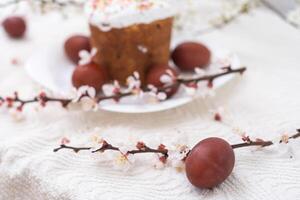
x,y
50,68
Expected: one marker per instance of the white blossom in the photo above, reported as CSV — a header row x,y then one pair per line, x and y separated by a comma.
x,y
85,98
166,79
142,49
108,89
84,90
227,60
65,141
134,81
95,142
159,165
285,138
239,131
152,88
181,152
88,104
206,92
96,138
86,57
179,165
155,94
16,115
152,94
136,75
78,140
220,110
161,96
111,89
123,162
134,84
176,156
170,72
124,149
190,91
199,71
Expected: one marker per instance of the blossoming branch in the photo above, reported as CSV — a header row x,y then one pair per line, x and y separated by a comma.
x,y
182,151
89,100
141,147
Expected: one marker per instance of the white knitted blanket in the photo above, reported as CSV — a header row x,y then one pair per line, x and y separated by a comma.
x,y
264,102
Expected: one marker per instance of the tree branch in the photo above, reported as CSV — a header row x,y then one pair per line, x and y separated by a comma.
x,y
43,99
141,148
263,143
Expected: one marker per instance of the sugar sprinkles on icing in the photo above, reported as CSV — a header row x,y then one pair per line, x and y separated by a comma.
x,y
107,14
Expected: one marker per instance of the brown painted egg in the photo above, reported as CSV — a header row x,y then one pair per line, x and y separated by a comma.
x,y
15,26
74,45
190,55
91,75
209,163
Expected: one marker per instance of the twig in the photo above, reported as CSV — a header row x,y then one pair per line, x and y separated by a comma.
x,y
75,149
262,143
211,78
141,148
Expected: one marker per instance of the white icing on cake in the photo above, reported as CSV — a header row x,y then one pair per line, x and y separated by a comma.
x,y
108,14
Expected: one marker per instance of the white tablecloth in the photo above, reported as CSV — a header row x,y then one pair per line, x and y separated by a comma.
x,y
264,102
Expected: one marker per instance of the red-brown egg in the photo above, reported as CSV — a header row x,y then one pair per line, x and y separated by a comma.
x,y
190,55
209,163
91,75
74,45
15,26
